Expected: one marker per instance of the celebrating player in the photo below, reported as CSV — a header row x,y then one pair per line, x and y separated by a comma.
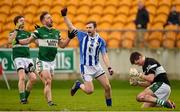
x,y
48,40
91,44
23,63
155,80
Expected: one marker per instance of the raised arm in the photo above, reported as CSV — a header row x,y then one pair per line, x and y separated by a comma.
x,y
67,20
71,35
12,36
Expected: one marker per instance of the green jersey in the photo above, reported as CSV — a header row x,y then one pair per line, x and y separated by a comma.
x,y
19,50
48,43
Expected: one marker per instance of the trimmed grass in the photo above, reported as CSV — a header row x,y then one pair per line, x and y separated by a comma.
x,y
123,97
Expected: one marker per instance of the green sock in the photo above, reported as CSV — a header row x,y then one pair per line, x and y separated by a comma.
x,y
160,102
27,94
22,95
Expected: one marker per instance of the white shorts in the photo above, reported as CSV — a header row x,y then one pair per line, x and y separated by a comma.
x,y
162,92
90,72
22,63
44,65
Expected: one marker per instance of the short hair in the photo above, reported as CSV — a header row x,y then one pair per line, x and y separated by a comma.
x,y
17,18
42,15
92,22
134,56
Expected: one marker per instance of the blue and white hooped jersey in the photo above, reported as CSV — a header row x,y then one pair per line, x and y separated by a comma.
x,y
90,48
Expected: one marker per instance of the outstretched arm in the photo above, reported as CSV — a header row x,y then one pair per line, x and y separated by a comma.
x,y
67,20
71,35
12,36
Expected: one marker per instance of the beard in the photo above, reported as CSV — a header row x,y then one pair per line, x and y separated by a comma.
x,y
50,24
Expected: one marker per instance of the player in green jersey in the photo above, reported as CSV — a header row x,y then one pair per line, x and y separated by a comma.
x,y
21,58
48,40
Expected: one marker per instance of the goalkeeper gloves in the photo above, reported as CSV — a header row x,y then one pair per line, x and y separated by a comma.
x,y
110,70
133,81
134,72
72,34
64,11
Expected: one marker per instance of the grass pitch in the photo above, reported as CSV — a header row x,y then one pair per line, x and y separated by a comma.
x,y
123,97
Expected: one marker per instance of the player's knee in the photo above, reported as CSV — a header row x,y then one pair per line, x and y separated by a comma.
x,y
89,91
48,82
33,79
108,87
140,98
22,79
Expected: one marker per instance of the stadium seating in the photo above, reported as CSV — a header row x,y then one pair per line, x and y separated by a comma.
x,y
86,3
73,43
6,3
109,10
83,10
98,3
170,36
113,43
165,3
109,14
3,18
104,35
115,35
32,2
96,10
5,9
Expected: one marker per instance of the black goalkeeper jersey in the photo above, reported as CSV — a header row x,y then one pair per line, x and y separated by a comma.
x,y
151,66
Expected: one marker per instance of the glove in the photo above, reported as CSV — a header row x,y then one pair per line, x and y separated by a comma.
x,y
133,72
36,26
64,11
72,34
110,70
133,81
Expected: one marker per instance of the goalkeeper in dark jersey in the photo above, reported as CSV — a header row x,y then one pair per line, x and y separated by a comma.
x,y
21,57
154,79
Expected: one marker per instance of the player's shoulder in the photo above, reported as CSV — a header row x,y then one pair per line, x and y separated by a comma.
x,y
55,30
151,61
39,29
27,32
101,39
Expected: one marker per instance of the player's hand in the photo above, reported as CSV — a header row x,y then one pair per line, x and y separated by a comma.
x,y
133,81
110,70
134,72
72,34
36,26
64,11
15,41
19,25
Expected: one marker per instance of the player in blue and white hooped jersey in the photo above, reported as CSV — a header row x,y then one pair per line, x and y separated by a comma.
x,y
91,44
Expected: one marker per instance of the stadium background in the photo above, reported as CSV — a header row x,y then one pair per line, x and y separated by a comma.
x,y
115,24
